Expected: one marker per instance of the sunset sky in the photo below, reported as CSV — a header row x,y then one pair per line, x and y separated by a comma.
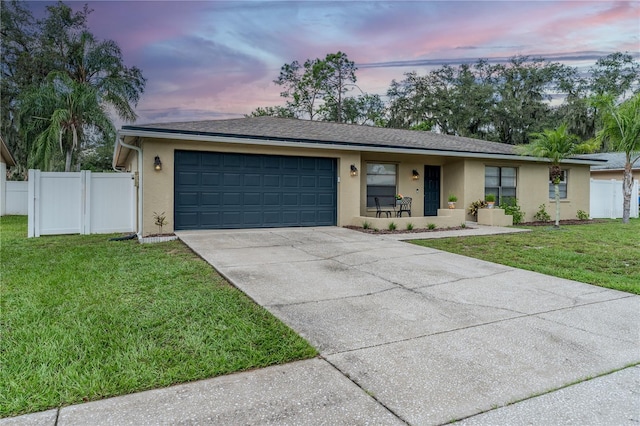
x,y
218,59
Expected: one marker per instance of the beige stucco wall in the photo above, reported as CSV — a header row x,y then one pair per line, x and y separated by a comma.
x,y
611,174
532,186
158,189
462,177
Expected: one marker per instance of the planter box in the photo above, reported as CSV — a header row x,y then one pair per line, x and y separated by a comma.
x,y
494,217
162,239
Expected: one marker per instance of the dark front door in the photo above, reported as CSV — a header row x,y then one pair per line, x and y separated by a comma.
x,y
431,190
228,190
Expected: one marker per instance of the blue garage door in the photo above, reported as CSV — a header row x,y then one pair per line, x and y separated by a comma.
x,y
219,190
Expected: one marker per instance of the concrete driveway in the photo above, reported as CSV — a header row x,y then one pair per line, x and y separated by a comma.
x,y
407,335
434,337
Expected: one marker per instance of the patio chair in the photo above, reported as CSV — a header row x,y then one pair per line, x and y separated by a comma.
x,y
404,205
379,211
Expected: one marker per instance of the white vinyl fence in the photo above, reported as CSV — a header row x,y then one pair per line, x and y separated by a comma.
x,y
606,199
16,196
80,203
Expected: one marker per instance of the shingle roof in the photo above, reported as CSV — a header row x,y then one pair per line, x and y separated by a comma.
x,y
273,128
615,161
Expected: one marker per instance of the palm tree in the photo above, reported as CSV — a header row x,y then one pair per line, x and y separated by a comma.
x,y
60,112
555,145
621,132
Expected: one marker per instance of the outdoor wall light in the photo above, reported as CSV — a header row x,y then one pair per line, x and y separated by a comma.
x,y
415,175
157,164
354,170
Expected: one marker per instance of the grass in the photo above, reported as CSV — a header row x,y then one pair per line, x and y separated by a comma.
x,y
606,254
83,318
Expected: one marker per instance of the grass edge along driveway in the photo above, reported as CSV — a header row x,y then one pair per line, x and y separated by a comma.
x,y
83,318
606,253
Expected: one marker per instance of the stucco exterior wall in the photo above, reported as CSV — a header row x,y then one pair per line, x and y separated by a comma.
x,y
611,174
158,186
532,186
459,176
452,182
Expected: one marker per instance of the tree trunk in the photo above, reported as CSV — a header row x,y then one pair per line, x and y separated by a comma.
x,y
627,186
67,162
556,191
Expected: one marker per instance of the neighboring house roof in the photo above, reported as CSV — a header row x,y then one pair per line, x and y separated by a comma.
x,y
614,161
270,130
6,154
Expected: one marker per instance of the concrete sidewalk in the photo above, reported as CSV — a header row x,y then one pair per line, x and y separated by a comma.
x,y
407,335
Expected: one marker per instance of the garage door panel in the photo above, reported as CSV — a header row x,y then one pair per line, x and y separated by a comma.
x,y
272,218
232,199
253,162
324,217
252,179
252,219
210,199
252,199
290,181
232,160
271,180
308,182
290,218
228,190
232,179
290,199
187,198
213,160
271,199
209,220
325,200
189,178
308,200
186,220
290,163
325,182
210,179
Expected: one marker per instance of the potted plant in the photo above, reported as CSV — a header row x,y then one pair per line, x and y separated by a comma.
x,y
491,200
452,201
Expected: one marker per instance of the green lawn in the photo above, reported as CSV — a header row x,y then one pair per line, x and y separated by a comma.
x,y
606,254
83,318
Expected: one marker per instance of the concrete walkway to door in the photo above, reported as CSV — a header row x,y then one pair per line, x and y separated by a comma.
x,y
432,336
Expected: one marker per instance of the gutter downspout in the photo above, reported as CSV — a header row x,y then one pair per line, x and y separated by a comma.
x,y
120,140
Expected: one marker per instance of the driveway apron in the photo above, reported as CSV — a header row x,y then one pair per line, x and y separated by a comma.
x,y
431,336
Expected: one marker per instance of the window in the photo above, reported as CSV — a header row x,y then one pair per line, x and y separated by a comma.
x,y
381,183
562,186
500,181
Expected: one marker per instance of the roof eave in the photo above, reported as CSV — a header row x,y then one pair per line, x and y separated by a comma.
x,y
203,137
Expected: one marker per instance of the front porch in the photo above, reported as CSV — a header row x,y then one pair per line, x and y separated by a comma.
x,y
446,218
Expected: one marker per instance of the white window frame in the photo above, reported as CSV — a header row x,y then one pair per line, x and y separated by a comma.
x,y
564,187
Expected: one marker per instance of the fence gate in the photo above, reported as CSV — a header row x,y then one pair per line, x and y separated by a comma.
x,y
80,203
606,199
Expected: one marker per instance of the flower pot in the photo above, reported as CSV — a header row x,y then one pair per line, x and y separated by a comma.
x,y
452,204
490,204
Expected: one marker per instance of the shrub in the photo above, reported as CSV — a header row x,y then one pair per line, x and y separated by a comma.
x,y
582,215
473,207
453,198
490,198
409,226
392,226
510,206
542,215
431,226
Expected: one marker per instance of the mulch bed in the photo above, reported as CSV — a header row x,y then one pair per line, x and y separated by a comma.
x,y
402,231
563,222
